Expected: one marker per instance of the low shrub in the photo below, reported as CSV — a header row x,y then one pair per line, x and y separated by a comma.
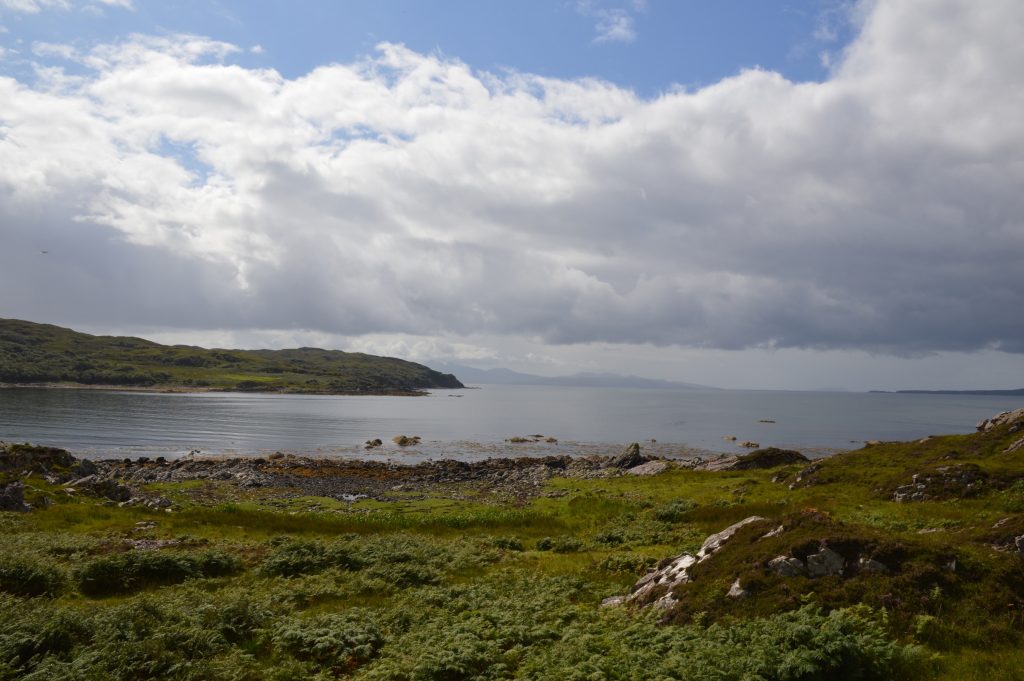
x,y
292,559
341,642
674,511
127,572
23,576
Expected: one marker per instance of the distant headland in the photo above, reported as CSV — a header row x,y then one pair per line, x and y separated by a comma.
x,y
34,354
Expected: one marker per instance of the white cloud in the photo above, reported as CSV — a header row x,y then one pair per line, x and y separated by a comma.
x,y
612,24
36,6
409,196
256,49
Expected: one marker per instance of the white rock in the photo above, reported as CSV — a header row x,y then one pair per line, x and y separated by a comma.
x,y
736,591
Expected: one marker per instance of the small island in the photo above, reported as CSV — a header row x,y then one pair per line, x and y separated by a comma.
x,y
34,354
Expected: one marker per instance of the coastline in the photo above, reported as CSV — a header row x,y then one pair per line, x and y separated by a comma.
x,y
190,389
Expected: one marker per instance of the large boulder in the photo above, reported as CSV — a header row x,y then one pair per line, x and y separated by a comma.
x,y
769,457
629,458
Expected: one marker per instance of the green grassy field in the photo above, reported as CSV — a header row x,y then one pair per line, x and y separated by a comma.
x,y
40,353
260,584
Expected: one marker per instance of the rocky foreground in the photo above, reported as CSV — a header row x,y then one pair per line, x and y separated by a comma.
x,y
869,564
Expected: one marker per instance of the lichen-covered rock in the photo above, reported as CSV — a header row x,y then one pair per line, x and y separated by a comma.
x,y
825,563
787,566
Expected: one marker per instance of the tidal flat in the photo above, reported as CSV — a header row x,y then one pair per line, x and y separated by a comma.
x,y
896,560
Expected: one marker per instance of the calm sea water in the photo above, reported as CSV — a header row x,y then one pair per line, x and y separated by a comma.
x,y
472,424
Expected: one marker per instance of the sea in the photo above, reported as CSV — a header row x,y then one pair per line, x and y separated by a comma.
x,y
480,422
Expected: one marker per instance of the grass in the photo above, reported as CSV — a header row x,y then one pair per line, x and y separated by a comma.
x,y
431,587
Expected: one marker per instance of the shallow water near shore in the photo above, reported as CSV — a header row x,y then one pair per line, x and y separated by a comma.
x,y
474,424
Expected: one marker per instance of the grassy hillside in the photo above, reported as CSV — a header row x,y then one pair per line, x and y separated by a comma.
x,y
250,583
40,353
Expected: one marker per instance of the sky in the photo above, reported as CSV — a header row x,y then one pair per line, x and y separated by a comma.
x,y
822,194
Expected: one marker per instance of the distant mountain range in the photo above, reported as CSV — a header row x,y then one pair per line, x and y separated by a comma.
x,y
472,375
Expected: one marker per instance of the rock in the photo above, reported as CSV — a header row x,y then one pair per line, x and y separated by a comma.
x,y
676,570
825,563
946,482
775,533
1016,446
405,440
750,444
769,457
872,566
730,438
612,601
1019,543
649,468
629,458
736,591
102,487
1001,419
12,498
376,442
718,463
276,456
787,566
715,541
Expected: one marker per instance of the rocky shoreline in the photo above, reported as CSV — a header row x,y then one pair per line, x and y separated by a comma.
x,y
517,479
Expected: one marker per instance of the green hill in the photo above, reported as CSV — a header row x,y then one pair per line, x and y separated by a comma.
x,y
33,353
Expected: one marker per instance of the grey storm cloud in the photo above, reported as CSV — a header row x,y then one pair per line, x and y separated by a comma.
x,y
406,193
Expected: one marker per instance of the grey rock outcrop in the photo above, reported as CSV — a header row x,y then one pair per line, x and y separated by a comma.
x,y
12,497
106,488
787,566
1015,417
649,468
677,570
824,563
946,482
629,458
